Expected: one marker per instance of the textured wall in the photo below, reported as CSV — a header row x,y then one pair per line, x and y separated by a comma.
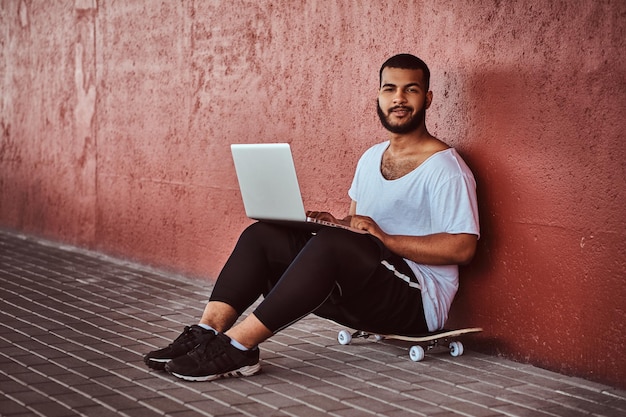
x,y
116,119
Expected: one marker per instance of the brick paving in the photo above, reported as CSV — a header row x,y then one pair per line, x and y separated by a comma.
x,y
74,326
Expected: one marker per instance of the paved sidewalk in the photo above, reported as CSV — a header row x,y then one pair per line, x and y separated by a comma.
x,y
74,327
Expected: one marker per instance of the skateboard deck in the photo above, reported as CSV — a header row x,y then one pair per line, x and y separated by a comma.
x,y
422,343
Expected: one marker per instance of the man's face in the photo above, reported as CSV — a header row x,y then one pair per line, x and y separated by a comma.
x,y
402,100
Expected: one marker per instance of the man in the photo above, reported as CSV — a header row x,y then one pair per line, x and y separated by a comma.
x,y
414,196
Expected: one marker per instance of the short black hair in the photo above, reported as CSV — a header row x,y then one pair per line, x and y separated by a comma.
x,y
406,61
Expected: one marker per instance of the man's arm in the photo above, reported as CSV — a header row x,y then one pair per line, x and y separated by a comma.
x,y
436,249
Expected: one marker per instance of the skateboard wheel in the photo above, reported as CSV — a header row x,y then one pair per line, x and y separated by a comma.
x,y
378,337
416,353
344,337
456,348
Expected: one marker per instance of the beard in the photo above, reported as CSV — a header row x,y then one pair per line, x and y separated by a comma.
x,y
408,126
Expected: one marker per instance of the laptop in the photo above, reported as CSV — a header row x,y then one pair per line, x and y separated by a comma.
x,y
269,186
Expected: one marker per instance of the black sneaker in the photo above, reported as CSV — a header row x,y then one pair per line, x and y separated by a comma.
x,y
191,337
213,359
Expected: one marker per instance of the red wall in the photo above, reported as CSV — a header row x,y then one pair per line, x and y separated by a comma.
x,y
117,116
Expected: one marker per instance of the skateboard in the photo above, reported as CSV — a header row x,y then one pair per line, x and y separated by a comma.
x,y
422,343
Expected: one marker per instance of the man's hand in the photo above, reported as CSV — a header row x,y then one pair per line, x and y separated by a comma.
x,y
368,224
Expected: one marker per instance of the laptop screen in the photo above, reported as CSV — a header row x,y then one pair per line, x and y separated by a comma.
x,y
267,181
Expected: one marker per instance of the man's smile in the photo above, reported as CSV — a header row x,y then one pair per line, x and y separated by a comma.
x,y
400,111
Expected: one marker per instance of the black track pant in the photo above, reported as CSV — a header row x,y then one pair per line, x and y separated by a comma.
x,y
335,274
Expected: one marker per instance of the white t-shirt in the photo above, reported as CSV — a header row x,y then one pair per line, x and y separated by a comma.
x,y
438,196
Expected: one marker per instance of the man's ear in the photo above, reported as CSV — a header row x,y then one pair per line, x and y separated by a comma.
x,y
429,99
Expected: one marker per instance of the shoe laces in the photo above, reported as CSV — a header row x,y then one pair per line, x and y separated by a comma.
x,y
188,336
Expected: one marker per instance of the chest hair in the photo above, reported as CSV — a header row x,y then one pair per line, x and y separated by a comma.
x,y
394,168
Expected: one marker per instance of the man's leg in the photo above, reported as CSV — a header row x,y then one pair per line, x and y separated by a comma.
x,y
303,287
388,302
339,275
332,257
262,254
326,260
219,315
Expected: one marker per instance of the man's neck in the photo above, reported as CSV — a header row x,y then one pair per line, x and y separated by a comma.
x,y
407,152
410,142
